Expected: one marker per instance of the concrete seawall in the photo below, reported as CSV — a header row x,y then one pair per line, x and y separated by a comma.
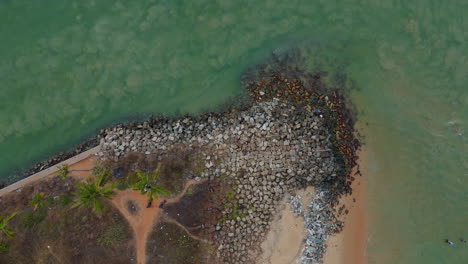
x,y
49,172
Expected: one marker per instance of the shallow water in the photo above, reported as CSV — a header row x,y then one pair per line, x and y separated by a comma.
x,y
68,68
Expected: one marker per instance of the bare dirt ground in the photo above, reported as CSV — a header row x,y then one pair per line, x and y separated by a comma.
x,y
142,219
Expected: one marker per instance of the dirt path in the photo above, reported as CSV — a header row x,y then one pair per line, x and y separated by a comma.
x,y
168,219
142,219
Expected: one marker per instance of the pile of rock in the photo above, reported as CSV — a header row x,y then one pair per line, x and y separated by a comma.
x,y
320,222
266,151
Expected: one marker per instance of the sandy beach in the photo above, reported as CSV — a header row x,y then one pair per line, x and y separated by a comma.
x,y
285,239
349,246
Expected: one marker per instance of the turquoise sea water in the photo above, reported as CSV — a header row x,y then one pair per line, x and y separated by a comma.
x,y
68,68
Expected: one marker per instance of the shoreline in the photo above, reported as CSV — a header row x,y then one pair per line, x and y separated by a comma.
x,y
350,245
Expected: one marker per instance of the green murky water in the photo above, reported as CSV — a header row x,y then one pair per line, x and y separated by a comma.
x,y
68,68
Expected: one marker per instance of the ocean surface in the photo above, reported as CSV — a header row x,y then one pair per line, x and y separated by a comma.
x,y
69,68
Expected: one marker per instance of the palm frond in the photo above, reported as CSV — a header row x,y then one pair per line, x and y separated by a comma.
x,y
8,232
4,225
38,201
92,195
63,171
8,218
161,191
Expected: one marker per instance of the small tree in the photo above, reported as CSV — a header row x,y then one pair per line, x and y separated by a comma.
x,y
4,225
92,195
38,201
63,171
146,184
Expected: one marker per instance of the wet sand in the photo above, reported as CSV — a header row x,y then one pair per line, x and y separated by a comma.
x,y
349,246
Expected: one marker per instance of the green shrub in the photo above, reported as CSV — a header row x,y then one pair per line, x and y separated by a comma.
x,y
190,191
230,195
32,219
65,199
63,171
4,248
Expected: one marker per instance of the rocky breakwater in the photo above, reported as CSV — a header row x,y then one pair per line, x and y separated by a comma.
x,y
263,152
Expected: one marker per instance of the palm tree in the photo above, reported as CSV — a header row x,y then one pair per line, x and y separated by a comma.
x,y
63,171
146,185
4,225
102,173
92,195
38,201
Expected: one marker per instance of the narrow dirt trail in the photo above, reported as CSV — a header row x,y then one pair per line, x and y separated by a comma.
x,y
143,219
168,219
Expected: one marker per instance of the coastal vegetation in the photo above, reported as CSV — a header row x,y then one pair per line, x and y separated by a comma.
x,y
4,248
170,244
4,226
63,219
38,201
92,195
102,173
6,232
52,230
112,235
146,185
63,171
